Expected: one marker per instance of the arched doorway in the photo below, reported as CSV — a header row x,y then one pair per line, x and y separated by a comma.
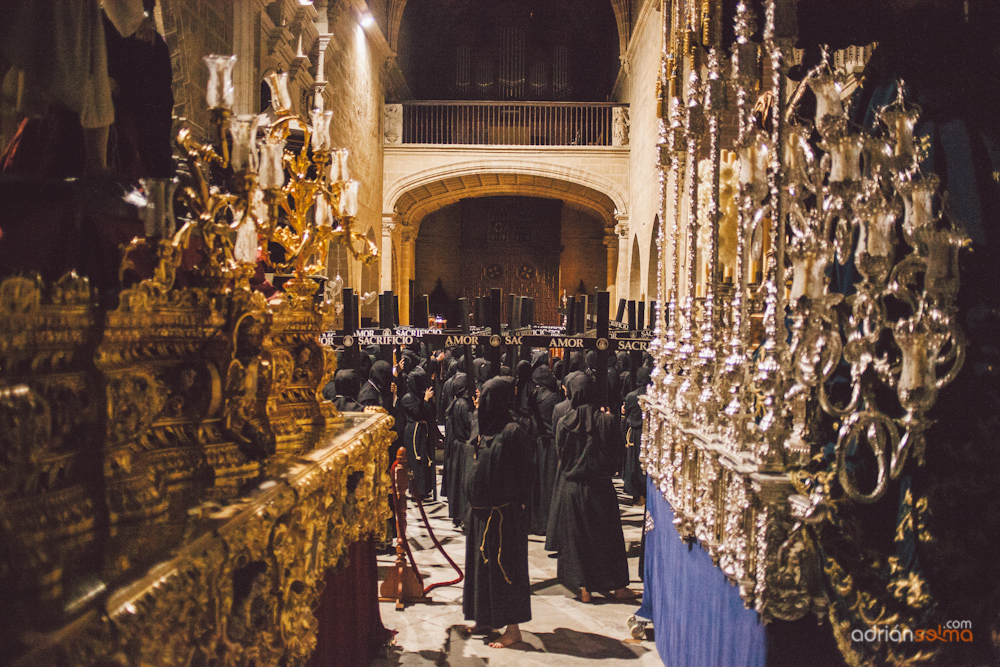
x,y
528,246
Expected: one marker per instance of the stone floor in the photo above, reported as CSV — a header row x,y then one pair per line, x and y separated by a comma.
x,y
563,631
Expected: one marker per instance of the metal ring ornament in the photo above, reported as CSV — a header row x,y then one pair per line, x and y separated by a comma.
x,y
852,431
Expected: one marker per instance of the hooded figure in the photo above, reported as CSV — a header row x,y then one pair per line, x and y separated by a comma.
x,y
416,410
457,449
632,473
625,376
542,401
378,390
497,589
522,381
482,369
585,522
346,385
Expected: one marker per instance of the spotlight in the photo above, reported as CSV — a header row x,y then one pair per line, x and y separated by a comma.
x,y
367,20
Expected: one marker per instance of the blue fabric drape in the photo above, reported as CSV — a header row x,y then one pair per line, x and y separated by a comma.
x,y
698,616
699,619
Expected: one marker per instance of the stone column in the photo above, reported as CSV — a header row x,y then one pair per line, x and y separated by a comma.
x,y
621,229
388,229
407,270
611,243
244,81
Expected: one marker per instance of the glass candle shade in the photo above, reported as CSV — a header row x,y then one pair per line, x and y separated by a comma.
x,y
901,124
272,171
845,158
324,212
220,92
349,199
918,206
917,387
244,153
828,104
808,274
321,121
245,248
281,100
338,166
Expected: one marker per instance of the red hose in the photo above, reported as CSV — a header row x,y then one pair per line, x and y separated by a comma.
x,y
430,531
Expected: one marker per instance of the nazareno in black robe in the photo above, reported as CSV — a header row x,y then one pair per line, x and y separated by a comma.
x,y
585,516
497,591
419,416
558,412
633,475
541,403
457,449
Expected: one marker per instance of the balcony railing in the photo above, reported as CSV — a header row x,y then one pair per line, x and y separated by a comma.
x,y
511,123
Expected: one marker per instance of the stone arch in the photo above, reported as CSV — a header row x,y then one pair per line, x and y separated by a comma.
x,y
423,192
635,271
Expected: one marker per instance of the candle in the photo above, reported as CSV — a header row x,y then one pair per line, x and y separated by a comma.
x,y
220,81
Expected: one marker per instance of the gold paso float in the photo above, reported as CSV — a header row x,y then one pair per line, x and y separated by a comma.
x,y
173,487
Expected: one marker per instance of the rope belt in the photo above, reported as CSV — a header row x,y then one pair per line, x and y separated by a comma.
x,y
415,425
628,438
482,546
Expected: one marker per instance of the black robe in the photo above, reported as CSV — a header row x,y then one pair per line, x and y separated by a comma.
x,y
633,474
418,416
457,452
542,403
497,588
585,520
377,391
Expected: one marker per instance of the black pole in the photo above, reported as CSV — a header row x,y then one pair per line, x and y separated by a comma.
x,y
652,314
571,316
493,353
582,310
603,308
530,318
470,378
640,316
631,315
413,304
621,310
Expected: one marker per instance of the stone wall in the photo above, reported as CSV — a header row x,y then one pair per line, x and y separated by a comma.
x,y
194,29
584,255
639,90
355,94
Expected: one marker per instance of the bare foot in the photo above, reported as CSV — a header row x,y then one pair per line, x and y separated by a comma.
x,y
623,594
469,630
585,596
511,636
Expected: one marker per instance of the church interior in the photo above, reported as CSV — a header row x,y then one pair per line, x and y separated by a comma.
x,y
275,274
